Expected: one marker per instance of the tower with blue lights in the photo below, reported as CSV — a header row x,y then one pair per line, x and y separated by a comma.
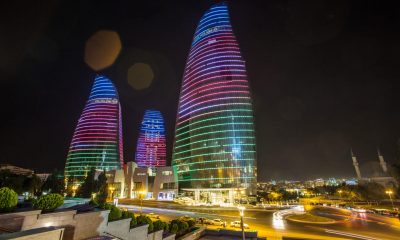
x,y
151,145
97,140
215,145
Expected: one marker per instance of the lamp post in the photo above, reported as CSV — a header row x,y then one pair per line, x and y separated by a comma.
x,y
390,192
112,192
141,196
340,193
74,187
241,212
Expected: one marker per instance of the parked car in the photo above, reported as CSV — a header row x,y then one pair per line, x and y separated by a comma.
x,y
218,222
153,215
186,218
236,224
203,220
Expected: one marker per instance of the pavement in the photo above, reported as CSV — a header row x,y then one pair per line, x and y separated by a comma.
x,y
352,226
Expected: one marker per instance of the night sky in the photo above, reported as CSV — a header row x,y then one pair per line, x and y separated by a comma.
x,y
324,77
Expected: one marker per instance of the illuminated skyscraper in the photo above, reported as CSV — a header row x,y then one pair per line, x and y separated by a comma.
x,y
151,147
215,145
97,140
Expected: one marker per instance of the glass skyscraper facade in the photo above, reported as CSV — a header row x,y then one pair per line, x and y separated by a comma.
x,y
151,146
215,144
97,140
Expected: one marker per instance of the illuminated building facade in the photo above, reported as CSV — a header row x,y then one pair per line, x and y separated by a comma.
x,y
215,146
97,140
151,145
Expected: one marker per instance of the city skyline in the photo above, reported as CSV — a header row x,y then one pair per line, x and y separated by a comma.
x,y
321,84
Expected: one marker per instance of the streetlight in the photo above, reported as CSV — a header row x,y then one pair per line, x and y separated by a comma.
x,y
141,196
112,191
241,212
390,192
340,193
74,187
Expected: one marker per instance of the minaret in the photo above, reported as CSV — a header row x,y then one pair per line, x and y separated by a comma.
x,y
382,161
355,164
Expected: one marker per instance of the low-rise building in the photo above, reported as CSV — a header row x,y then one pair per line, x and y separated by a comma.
x,y
138,182
16,170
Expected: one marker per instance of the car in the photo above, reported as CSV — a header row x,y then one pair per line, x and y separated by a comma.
x,y
153,215
236,224
217,221
186,218
203,220
359,210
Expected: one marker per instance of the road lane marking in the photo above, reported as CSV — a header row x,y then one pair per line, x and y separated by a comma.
x,y
350,235
178,211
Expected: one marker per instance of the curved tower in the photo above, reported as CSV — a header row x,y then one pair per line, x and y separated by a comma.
x,y
97,140
151,145
215,145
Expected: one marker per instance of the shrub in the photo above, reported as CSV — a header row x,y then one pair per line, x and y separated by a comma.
x,y
166,227
48,202
141,219
115,213
127,214
174,228
159,225
191,223
92,202
8,199
183,226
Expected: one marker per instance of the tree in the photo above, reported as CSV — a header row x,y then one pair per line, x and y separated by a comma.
x,y
102,187
88,186
54,183
11,180
274,196
32,184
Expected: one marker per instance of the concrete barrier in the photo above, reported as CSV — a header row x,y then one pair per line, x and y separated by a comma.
x,y
138,232
155,235
16,221
170,236
118,228
48,233
77,226
194,235
231,233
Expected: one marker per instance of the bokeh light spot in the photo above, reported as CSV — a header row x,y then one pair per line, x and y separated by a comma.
x,y
140,76
102,49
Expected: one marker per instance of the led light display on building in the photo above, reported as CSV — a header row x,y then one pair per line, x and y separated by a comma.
x,y
97,140
214,143
151,145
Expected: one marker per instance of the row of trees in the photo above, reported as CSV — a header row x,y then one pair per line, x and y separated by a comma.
x,y
361,192
55,184
21,183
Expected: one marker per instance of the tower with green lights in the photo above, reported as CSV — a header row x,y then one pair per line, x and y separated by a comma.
x,y
215,145
97,140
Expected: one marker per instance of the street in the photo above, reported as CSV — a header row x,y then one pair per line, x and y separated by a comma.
x,y
357,226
